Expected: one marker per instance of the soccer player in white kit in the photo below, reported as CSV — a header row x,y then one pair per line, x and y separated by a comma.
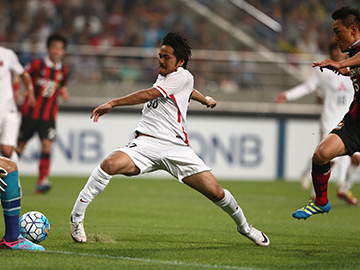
x,y
161,141
9,117
336,94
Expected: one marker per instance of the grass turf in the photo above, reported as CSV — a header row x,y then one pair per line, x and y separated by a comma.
x,y
157,224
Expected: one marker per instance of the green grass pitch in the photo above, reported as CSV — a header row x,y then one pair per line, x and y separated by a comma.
x,y
139,223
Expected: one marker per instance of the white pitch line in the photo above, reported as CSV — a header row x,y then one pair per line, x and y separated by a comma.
x,y
125,258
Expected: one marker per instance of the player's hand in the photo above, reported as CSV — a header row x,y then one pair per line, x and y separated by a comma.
x,y
3,185
17,95
29,94
210,102
101,110
281,98
329,64
64,94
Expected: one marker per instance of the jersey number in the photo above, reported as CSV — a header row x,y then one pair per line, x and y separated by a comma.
x,y
131,145
153,103
341,100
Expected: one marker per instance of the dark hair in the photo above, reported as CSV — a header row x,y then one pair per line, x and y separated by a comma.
x,y
349,16
56,37
181,45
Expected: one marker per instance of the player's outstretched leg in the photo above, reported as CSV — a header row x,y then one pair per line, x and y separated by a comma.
x,y
230,206
96,183
206,184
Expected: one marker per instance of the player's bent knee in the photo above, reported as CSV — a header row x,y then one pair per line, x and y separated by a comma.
x,y
8,164
355,160
109,166
219,194
114,166
319,157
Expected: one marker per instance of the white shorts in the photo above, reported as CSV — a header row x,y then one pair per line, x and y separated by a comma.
x,y
150,154
9,128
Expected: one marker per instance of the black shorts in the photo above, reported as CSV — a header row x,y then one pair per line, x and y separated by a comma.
x,y
45,129
349,133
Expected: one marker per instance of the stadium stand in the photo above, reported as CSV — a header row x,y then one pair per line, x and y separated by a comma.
x,y
113,44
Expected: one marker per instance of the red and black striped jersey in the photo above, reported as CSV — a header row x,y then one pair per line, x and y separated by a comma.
x,y
354,110
47,79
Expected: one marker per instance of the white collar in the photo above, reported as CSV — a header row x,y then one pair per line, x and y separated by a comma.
x,y
178,69
50,64
356,43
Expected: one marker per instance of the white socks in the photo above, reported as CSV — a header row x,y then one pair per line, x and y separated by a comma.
x,y
230,206
351,175
342,164
96,183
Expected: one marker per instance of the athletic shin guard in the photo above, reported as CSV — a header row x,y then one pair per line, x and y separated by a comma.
x,y
96,183
11,201
320,175
230,206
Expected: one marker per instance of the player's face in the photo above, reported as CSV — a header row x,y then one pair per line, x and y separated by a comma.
x,y
343,35
167,60
56,51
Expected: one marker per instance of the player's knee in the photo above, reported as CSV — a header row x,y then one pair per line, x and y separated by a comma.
x,y
114,166
320,156
8,164
6,150
219,194
216,194
355,160
109,166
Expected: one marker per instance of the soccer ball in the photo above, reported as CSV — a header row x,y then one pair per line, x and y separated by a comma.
x,y
34,226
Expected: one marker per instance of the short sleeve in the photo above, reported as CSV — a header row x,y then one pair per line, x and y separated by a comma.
x,y
15,65
171,84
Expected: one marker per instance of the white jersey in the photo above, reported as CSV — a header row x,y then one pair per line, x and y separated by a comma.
x,y
165,117
337,93
8,62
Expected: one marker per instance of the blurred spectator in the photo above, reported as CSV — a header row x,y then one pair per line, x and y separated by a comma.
x,y
129,71
143,23
153,33
100,24
86,68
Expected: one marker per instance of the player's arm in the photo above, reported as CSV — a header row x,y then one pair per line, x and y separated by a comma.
x,y
207,101
16,88
138,97
29,89
306,88
350,62
339,67
64,93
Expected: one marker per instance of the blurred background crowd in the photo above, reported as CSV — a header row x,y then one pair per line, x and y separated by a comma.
x,y
99,31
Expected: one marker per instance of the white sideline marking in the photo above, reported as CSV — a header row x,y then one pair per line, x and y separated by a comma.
x,y
125,258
